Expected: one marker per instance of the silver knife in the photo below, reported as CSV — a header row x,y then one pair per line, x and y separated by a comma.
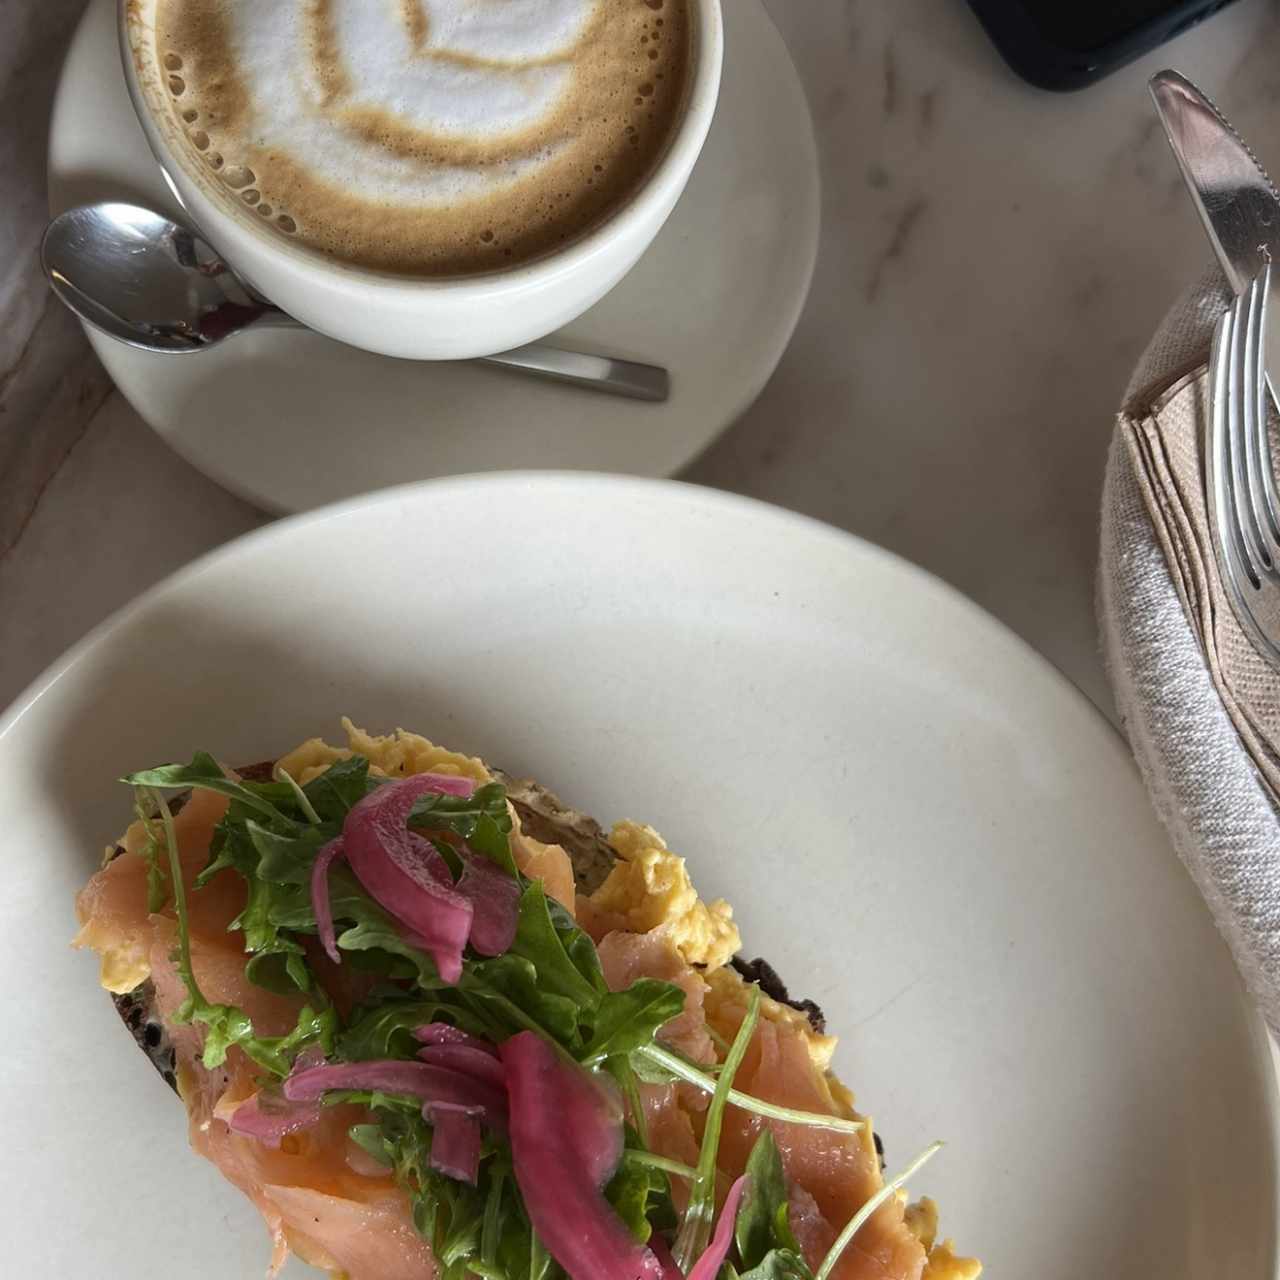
x,y
1237,204
1235,199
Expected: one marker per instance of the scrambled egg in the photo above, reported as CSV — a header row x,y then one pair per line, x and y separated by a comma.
x,y
942,1263
649,887
395,755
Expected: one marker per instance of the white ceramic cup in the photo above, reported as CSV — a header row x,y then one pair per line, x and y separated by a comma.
x,y
424,319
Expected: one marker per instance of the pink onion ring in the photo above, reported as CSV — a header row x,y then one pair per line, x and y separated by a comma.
x,y
431,1084
566,1141
320,904
475,1064
455,1141
495,901
445,1033
270,1117
708,1266
392,865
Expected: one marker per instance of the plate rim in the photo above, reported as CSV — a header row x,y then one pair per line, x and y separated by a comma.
x,y
285,527
649,486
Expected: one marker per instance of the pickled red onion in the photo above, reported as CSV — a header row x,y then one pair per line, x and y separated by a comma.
x,y
708,1266
446,1033
432,1084
495,901
467,1061
269,1118
566,1141
455,1141
448,784
320,903
391,863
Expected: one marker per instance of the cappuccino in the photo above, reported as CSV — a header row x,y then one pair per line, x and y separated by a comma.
x,y
427,137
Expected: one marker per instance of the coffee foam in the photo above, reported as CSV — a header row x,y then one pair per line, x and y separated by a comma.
x,y
428,136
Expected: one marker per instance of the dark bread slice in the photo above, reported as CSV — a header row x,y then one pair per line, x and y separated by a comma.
x,y
544,817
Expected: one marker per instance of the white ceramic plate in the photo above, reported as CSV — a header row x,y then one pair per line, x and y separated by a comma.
x,y
292,420
920,823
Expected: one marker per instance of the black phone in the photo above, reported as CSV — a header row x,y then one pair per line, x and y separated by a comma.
x,y
1067,44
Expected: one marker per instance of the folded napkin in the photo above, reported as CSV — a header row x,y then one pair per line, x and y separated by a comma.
x,y
1200,707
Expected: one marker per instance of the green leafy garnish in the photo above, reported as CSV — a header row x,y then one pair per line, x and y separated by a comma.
x,y
225,1025
764,1224
657,1064
778,1264
384,1029
633,1191
205,772
540,939
628,1020
481,819
335,792
153,852
699,1216
286,859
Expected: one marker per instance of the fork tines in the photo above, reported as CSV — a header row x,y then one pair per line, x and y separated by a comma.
x,y
1244,512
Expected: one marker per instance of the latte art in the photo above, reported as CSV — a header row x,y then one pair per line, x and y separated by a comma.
x,y
427,136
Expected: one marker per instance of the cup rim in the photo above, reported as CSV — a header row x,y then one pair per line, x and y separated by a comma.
x,y
676,161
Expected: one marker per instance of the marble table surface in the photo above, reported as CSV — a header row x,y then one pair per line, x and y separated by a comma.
x,y
993,260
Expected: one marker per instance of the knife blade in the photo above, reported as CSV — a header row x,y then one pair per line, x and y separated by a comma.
x,y
1237,202
1239,207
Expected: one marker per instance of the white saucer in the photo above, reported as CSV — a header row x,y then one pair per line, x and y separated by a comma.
x,y
294,420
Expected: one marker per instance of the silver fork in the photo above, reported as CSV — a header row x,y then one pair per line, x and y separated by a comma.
x,y
1244,517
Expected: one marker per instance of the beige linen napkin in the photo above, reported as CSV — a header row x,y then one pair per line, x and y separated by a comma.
x,y
1200,707
1163,426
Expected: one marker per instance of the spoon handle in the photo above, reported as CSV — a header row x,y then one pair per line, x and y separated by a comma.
x,y
626,378
599,373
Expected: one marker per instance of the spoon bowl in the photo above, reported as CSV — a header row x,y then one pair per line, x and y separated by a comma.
x,y
146,280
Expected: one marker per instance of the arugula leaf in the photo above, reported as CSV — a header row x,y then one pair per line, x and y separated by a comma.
x,y
640,1190
313,1027
628,1019
254,920
157,876
288,859
779,1264
628,1193
510,987
229,847
386,1030
764,1223
227,1026
374,931
336,791
491,1227
283,971
205,772
578,947
649,1069
370,931
622,1071
481,819
539,941
370,1138
695,1230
